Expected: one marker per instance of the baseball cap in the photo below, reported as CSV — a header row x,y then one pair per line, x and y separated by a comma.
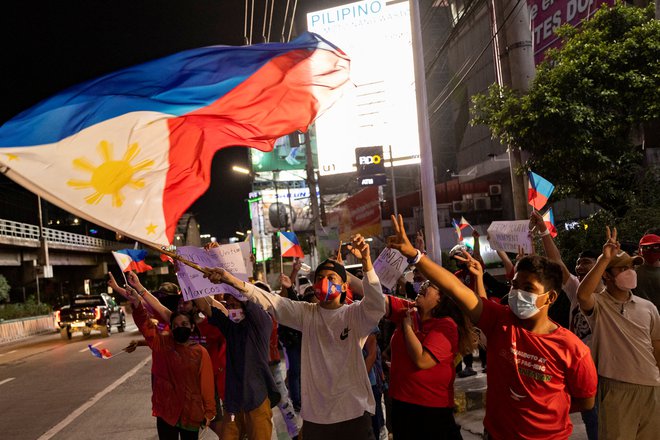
x,y
649,239
333,266
622,259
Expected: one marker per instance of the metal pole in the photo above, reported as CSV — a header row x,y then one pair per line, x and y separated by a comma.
x,y
396,209
43,259
311,182
429,204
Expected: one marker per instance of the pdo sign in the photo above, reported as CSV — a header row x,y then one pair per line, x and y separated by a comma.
x,y
369,162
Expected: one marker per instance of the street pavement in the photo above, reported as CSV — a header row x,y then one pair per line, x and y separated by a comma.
x,y
50,388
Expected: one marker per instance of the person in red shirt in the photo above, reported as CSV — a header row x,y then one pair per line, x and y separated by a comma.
x,y
430,333
539,371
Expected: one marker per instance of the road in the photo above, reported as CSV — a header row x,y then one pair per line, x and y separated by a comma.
x,y
51,388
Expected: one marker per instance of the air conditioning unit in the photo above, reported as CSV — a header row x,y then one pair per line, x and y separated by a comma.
x,y
461,205
495,190
482,203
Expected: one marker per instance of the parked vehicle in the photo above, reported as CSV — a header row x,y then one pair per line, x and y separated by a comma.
x,y
90,312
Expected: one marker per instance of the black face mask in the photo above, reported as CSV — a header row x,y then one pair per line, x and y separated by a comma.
x,y
181,334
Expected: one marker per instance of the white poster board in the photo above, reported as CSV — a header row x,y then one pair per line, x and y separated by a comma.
x,y
192,282
509,236
389,267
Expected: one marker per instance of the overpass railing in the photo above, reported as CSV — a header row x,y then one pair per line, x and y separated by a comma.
x,y
9,228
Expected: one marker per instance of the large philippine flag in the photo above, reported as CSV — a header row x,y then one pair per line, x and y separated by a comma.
x,y
132,150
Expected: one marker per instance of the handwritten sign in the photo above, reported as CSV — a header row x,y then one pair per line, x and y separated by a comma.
x,y
508,236
389,267
246,250
192,282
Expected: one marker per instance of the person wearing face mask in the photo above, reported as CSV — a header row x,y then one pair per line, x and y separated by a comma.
x,y
430,333
337,400
625,345
183,399
577,322
539,371
648,274
250,390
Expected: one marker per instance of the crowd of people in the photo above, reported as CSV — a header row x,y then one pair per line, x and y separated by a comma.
x,y
330,355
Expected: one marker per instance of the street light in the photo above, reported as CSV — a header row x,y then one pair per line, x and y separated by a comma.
x,y
241,170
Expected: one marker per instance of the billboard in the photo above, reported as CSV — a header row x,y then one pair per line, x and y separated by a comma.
x,y
358,214
381,108
548,15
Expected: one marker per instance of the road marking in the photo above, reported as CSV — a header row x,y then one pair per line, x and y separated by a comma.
x,y
9,352
2,382
87,348
85,406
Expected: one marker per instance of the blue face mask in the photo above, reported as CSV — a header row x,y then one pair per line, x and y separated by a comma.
x,y
523,303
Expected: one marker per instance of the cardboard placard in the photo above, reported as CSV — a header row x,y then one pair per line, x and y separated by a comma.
x,y
389,267
509,236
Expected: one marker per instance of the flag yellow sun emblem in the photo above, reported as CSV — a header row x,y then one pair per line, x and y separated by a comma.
x,y
111,176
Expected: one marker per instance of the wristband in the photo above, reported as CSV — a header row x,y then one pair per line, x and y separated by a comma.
x,y
544,233
414,260
141,293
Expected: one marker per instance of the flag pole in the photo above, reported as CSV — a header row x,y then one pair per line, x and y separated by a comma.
x,y
177,257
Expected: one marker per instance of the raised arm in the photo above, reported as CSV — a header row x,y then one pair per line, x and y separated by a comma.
x,y
285,311
151,300
372,306
589,284
549,247
476,248
205,303
438,275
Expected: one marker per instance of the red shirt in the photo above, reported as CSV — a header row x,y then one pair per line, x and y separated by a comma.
x,y
433,387
531,377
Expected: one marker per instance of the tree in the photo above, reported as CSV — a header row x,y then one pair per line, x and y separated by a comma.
x,y
585,106
4,289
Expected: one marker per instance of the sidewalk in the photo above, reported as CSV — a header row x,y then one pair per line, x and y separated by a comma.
x,y
470,397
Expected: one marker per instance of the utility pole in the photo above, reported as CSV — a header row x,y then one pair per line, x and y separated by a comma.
x,y
516,62
429,203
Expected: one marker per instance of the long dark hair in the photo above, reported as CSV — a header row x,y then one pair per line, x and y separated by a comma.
x,y
446,307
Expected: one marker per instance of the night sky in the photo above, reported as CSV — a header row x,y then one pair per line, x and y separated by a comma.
x,y
50,45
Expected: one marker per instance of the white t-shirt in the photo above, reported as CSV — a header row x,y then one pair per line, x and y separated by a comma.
x,y
335,386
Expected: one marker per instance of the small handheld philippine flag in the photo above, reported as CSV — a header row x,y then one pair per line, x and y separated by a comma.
x,y
457,228
464,224
289,245
538,190
549,220
101,353
132,259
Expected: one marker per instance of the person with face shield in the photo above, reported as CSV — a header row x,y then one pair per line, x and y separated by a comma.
x,y
625,344
337,400
648,274
538,370
183,399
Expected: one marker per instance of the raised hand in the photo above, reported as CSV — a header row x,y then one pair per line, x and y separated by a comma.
x,y
134,281
400,241
359,247
473,265
213,244
217,275
112,283
285,281
475,234
536,222
611,247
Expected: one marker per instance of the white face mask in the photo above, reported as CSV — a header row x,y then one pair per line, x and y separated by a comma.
x,y
523,303
626,280
236,315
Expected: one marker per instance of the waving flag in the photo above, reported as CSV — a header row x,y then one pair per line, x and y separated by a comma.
x,y
457,228
464,224
132,150
549,220
102,353
538,191
132,259
289,245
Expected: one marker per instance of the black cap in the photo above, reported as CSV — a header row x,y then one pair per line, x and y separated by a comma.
x,y
333,266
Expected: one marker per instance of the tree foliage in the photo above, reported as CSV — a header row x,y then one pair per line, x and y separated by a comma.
x,y
588,100
4,289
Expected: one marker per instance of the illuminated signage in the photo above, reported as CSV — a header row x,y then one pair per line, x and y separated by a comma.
x,y
381,109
